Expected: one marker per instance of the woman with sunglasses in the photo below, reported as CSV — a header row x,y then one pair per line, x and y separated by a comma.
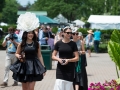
x,y
68,55
80,80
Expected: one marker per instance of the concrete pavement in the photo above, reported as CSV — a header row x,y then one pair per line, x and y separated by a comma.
x,y
100,68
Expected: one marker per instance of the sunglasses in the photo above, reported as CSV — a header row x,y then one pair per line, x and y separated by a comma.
x,y
68,32
74,33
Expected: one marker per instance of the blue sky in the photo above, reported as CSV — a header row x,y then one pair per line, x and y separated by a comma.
x,y
24,2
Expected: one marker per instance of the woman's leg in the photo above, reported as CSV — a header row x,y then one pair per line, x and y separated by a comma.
x,y
31,85
76,87
25,86
89,52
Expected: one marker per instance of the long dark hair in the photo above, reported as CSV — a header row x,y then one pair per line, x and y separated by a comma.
x,y
24,38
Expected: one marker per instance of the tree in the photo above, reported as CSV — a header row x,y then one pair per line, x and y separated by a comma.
x,y
2,4
75,9
9,14
69,8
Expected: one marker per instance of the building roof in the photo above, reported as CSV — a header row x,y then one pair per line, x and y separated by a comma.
x,y
104,19
36,12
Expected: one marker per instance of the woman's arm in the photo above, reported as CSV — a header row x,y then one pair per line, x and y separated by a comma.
x,y
76,58
40,56
18,51
54,57
82,48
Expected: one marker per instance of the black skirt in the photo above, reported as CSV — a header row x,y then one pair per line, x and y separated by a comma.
x,y
81,78
28,71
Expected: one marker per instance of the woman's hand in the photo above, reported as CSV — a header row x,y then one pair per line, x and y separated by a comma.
x,y
44,74
19,56
82,52
66,62
60,61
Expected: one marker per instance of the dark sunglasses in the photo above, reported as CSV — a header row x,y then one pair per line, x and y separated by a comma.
x,y
74,33
68,32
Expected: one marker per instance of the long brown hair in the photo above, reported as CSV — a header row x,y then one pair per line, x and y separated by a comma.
x,y
24,39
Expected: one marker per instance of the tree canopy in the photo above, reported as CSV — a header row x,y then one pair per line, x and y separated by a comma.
x,y
75,9
71,9
9,13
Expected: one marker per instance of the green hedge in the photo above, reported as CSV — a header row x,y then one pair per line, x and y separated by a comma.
x,y
1,47
5,28
102,48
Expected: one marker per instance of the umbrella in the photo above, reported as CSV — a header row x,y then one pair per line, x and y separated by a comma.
x,y
46,20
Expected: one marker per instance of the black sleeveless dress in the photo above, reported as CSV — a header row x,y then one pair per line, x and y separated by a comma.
x,y
31,69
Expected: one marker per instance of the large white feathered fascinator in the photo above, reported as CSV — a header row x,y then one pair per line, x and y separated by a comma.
x,y
27,22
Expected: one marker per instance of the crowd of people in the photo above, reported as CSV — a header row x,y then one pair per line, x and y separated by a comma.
x,y
24,58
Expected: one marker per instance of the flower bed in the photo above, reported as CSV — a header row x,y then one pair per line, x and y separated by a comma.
x,y
112,85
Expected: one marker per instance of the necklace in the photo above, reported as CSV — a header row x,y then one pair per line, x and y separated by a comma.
x,y
30,45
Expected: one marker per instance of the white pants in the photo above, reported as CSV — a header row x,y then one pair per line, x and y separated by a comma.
x,y
10,59
63,85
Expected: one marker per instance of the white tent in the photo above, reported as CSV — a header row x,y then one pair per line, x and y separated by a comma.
x,y
78,22
104,22
3,24
61,19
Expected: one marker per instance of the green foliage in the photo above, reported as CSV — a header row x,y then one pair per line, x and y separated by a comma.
x,y
9,14
76,9
102,48
114,47
2,3
71,9
54,30
5,28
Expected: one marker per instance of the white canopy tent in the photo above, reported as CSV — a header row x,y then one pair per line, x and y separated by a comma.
x,y
61,19
104,22
3,24
78,22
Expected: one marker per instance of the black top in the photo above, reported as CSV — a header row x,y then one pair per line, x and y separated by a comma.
x,y
31,69
66,51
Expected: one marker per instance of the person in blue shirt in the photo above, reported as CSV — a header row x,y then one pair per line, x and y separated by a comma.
x,y
97,35
10,41
43,37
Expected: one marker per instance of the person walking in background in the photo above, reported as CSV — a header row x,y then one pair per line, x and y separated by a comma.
x,y
43,36
11,41
97,35
1,33
80,80
37,33
58,36
68,55
50,36
89,41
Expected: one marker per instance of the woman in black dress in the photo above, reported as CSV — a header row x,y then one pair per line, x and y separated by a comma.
x,y
68,55
29,67
80,80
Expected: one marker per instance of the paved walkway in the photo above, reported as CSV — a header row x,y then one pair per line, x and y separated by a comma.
x,y
100,68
